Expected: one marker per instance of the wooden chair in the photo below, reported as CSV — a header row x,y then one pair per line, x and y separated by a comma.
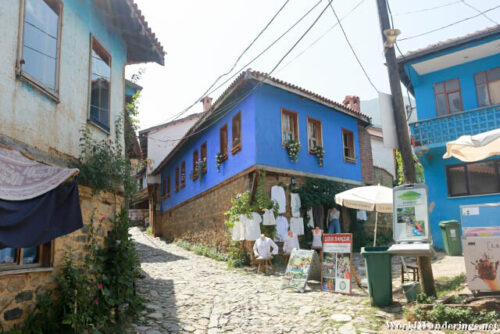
x,y
266,262
410,270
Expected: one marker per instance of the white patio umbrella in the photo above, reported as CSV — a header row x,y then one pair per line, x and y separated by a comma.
x,y
474,148
370,198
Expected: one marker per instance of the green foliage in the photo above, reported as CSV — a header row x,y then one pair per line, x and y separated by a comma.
x,y
201,249
240,205
449,284
400,177
363,238
149,231
319,152
441,313
237,256
219,159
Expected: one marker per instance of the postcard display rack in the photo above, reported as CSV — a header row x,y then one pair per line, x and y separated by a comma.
x,y
481,247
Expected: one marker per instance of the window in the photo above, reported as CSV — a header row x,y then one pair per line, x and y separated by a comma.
x,y
21,258
314,134
39,49
168,185
177,179
223,141
100,85
183,174
448,97
195,164
488,87
477,178
348,144
204,157
236,129
289,126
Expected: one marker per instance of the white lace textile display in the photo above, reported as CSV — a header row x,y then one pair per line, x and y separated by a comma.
x,y
238,231
22,178
295,204
278,195
262,248
290,243
269,218
310,223
252,226
297,225
281,228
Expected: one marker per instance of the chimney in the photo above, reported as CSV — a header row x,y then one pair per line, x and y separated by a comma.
x,y
207,103
352,102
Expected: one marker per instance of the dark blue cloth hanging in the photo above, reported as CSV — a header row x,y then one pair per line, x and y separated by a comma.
x,y
39,220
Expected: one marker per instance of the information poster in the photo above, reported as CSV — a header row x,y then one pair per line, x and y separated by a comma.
x,y
336,263
482,263
297,270
411,216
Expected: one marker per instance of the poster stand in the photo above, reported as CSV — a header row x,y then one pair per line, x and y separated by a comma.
x,y
336,263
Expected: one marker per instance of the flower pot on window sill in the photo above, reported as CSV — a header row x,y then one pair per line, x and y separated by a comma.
x,y
236,148
313,151
224,157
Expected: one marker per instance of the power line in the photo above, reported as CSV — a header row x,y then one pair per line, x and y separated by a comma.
x,y
230,106
236,62
448,25
352,49
477,10
427,9
320,37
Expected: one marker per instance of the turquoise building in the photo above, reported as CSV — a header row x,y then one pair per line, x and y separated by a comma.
x,y
456,85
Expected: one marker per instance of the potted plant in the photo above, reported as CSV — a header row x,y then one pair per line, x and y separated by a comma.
x,y
293,149
203,166
319,152
219,159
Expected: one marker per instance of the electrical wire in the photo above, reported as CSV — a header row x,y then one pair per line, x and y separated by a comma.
x,y
235,63
449,25
230,106
352,49
320,37
427,9
477,10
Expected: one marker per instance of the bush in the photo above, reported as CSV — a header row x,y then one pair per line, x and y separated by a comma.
x,y
201,249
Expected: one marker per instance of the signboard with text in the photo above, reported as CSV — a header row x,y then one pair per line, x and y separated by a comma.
x,y
410,215
297,270
336,263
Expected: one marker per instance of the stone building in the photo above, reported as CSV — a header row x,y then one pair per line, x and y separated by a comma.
x,y
63,68
247,130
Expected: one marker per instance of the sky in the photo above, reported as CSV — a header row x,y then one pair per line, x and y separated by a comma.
x,y
203,39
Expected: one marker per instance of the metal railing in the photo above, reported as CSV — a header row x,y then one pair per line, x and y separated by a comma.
x,y
442,129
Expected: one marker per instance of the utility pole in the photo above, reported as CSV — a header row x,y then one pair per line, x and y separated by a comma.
x,y
424,262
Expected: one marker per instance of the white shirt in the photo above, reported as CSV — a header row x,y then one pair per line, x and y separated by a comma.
x,y
281,228
333,214
297,225
252,226
361,215
269,218
317,243
295,204
278,195
238,231
290,243
262,248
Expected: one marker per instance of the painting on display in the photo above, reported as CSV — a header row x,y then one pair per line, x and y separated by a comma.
x,y
336,263
297,270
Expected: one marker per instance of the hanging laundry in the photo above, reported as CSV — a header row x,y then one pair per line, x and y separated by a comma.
x,y
269,218
281,228
252,226
297,225
310,223
238,231
295,204
278,195
333,221
361,215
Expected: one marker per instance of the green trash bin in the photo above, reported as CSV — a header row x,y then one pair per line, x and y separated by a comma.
x,y
379,274
450,230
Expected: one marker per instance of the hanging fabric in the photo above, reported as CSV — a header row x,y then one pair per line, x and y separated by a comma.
x,y
278,195
297,225
295,204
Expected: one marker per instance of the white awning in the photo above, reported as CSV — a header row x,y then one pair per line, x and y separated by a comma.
x,y
474,148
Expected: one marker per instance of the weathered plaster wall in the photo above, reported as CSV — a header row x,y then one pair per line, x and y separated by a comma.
x,y
383,157
18,292
34,119
162,141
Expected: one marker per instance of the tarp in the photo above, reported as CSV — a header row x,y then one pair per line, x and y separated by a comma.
x,y
22,178
39,220
474,148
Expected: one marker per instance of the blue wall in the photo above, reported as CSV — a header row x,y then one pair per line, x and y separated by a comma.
x,y
232,166
424,84
445,208
268,103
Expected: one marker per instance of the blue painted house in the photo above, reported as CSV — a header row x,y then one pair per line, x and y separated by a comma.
x,y
456,85
248,129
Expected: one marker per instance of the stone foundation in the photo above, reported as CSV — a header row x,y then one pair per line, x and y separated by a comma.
x,y
19,289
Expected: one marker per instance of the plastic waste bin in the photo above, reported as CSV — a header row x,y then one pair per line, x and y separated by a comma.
x,y
450,230
411,290
379,274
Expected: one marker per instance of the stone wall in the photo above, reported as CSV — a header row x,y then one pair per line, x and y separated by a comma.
x,y
365,152
201,218
19,290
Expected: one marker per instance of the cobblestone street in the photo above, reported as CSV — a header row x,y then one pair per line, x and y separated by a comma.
x,y
190,293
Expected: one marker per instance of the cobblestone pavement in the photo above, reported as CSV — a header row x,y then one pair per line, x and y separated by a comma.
x,y
188,293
